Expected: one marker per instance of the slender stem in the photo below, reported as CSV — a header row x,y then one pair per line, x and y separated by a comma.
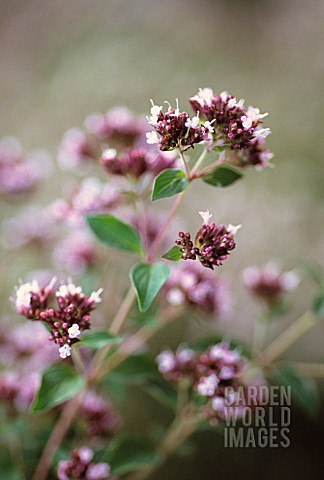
x,y
123,311
199,161
115,328
180,430
62,426
133,343
261,330
160,236
315,370
287,338
184,162
208,169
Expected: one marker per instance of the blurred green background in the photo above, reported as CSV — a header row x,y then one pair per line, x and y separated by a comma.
x,y
64,59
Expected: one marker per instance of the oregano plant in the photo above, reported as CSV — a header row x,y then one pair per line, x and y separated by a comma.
x,y
118,276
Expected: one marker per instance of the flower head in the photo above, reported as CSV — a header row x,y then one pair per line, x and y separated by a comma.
x,y
175,129
212,243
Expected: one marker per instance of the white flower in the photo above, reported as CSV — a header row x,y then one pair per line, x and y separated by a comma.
x,y
70,288
23,293
65,351
185,355
232,102
95,296
208,126
152,138
192,123
177,110
206,216
216,352
289,280
262,133
156,109
252,116
85,454
109,153
208,385
175,296
232,229
218,403
166,361
204,96
223,95
246,122
74,331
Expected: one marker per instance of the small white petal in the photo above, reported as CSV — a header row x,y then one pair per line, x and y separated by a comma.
x,y
206,216
109,153
232,229
74,331
95,296
65,351
152,138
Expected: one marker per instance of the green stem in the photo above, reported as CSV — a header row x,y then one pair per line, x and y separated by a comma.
x,y
286,339
180,430
208,169
58,433
184,162
314,370
199,161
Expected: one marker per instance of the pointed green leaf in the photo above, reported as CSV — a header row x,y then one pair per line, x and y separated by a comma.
x,y
147,279
168,183
131,454
318,305
222,176
174,254
59,383
99,339
303,390
114,232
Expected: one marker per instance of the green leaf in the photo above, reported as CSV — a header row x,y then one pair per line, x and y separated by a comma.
x,y
147,279
303,390
98,339
173,254
168,183
131,454
114,232
136,369
220,148
163,393
318,305
314,271
222,176
59,383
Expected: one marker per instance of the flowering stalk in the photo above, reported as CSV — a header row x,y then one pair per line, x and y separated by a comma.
x,y
286,339
183,426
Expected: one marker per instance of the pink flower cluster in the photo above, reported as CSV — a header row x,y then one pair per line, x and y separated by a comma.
x,y
210,373
80,466
191,286
176,129
212,243
136,162
91,196
234,126
99,415
268,283
19,172
67,320
118,128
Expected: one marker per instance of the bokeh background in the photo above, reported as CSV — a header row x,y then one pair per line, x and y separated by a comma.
x,y
64,59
